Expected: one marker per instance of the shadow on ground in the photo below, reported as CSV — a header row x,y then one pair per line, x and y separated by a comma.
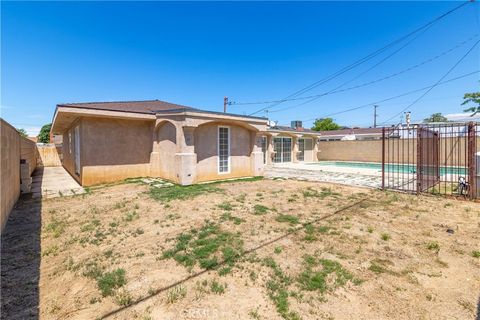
x,y
20,261
478,309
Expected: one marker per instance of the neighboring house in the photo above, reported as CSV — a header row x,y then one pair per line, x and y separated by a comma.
x,y
351,134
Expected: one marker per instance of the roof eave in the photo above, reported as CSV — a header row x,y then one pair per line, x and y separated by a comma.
x,y
64,116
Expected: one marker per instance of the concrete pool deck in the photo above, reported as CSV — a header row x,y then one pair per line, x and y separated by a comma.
x,y
362,177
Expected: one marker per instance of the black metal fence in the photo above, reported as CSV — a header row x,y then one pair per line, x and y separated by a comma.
x,y
433,158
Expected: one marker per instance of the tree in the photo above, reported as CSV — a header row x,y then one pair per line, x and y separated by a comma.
x,y
436,117
44,135
325,124
22,132
473,97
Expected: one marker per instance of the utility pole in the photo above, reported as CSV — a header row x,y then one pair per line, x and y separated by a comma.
x,y
407,119
225,102
375,116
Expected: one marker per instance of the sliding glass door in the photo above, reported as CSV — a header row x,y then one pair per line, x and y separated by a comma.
x,y
283,149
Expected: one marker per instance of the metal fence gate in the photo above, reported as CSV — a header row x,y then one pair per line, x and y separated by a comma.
x,y
433,158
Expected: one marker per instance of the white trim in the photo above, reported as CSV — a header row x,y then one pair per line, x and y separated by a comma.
x,y
70,141
218,150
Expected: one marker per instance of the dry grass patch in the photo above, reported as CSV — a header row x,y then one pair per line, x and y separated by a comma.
x,y
389,256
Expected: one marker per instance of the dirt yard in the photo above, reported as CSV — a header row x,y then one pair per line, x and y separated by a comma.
x,y
266,249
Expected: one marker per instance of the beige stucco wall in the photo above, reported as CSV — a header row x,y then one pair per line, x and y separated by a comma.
x,y
206,138
68,151
166,146
9,169
178,147
308,154
92,175
114,149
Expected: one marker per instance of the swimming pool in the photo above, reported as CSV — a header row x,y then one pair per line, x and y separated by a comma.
x,y
389,167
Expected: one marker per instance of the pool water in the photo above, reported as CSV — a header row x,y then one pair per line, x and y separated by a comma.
x,y
389,167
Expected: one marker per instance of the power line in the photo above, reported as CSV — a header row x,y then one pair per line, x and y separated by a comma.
x,y
432,87
366,83
392,98
378,80
364,59
429,60
360,74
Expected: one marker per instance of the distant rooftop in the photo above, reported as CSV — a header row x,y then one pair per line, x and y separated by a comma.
x,y
340,132
290,129
351,131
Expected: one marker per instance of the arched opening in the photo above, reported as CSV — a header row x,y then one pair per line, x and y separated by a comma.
x,y
166,147
223,150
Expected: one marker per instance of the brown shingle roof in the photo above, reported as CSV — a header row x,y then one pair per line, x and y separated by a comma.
x,y
148,106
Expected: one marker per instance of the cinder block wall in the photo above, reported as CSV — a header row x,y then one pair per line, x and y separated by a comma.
x,y
13,149
28,152
452,150
9,169
357,150
48,156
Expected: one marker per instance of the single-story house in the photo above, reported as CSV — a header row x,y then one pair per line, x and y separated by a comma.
x,y
110,141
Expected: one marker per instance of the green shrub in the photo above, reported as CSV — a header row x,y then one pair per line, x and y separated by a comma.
x,y
216,287
259,209
110,281
175,294
206,247
177,192
434,246
56,227
227,206
287,218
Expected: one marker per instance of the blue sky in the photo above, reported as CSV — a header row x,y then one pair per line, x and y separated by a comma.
x,y
197,53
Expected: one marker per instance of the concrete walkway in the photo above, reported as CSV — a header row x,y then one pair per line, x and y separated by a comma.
x,y
300,171
51,182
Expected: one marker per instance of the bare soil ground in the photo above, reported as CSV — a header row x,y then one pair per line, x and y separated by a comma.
x,y
267,249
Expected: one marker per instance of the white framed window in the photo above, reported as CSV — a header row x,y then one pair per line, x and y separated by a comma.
x,y
223,147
